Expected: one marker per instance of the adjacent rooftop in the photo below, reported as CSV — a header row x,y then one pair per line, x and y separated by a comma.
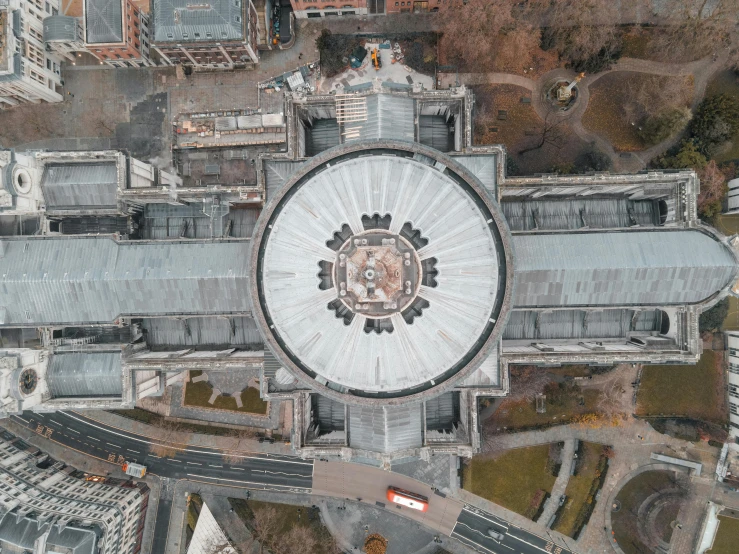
x,y
207,21
104,19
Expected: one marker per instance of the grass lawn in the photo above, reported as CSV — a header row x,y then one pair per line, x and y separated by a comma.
x,y
519,119
198,394
518,414
731,323
511,479
727,536
727,224
694,391
616,117
578,489
631,496
287,518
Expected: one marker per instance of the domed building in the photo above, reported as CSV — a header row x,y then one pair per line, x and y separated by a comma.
x,y
380,273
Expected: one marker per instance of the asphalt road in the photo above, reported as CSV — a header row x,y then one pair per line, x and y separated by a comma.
x,y
472,529
278,472
246,470
161,528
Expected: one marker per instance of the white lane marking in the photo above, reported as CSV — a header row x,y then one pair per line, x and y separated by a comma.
x,y
73,431
56,423
22,418
244,482
533,545
211,465
219,453
238,468
193,463
475,544
136,451
114,445
153,455
485,518
93,439
176,461
277,472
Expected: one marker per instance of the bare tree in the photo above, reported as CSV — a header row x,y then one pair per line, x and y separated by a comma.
x,y
694,28
551,132
579,29
297,539
172,437
713,188
265,526
527,381
474,31
239,441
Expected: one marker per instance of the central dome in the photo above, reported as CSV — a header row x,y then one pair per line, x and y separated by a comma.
x,y
381,272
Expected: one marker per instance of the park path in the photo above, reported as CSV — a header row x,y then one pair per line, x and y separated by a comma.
x,y
702,71
560,485
631,453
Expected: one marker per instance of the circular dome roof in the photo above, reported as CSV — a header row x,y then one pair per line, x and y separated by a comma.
x,y
382,271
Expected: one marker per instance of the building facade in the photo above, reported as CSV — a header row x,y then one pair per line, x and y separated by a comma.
x,y
29,73
381,272
48,507
329,8
117,33
222,34
733,380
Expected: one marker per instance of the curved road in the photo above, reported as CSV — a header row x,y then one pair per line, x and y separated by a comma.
x,y
278,472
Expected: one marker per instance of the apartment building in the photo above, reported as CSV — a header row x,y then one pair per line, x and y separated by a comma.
x,y
733,380
47,507
332,8
215,34
117,33
28,72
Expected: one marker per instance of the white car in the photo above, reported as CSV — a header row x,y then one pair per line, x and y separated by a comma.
x,y
497,536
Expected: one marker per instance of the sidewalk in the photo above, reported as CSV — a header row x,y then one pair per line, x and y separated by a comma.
x,y
191,439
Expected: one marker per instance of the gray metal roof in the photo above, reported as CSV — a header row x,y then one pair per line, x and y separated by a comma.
x,y
80,185
22,533
630,268
188,21
104,21
388,117
385,429
62,28
484,167
576,213
276,174
579,324
162,221
459,239
95,279
85,374
195,331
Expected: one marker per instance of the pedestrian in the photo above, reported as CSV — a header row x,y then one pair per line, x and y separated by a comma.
x,y
300,56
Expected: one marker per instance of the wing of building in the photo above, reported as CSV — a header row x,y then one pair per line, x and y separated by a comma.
x,y
381,271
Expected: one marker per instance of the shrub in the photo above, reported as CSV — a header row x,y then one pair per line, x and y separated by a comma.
x,y
716,121
713,319
688,156
592,160
536,506
335,51
665,124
